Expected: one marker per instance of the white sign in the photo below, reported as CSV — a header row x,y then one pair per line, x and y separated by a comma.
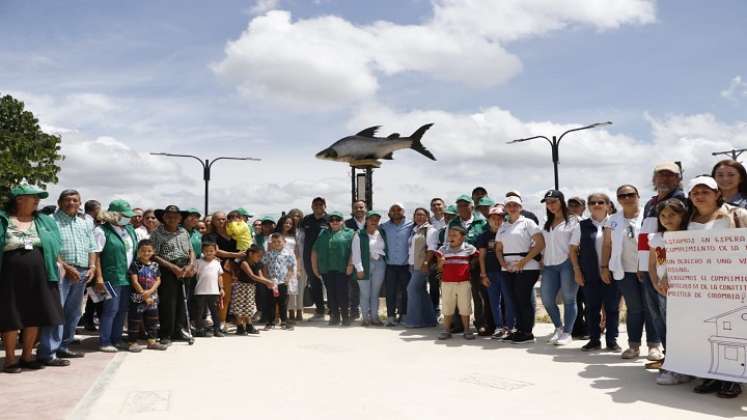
x,y
707,303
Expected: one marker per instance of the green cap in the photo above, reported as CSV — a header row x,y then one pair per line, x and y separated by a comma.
x,y
25,188
336,214
244,212
267,219
122,207
372,213
464,197
193,210
450,209
486,201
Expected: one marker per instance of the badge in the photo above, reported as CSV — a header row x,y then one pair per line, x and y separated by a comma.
x,y
28,244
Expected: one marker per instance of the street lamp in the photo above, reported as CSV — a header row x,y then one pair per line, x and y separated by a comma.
x,y
206,165
555,144
734,153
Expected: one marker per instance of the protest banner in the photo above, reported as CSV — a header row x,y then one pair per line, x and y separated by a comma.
x,y
706,303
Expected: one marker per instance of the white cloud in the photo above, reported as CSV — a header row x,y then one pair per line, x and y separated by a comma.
x,y
328,62
736,91
263,6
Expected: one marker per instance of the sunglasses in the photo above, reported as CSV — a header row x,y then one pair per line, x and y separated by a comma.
x,y
627,195
597,203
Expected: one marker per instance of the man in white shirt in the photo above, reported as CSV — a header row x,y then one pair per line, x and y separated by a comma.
x,y
438,220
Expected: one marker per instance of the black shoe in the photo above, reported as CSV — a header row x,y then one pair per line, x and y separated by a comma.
x,y
346,322
90,327
592,345
31,364
612,346
334,321
199,333
521,338
180,337
217,333
67,354
708,386
251,330
509,336
240,330
165,341
56,362
729,390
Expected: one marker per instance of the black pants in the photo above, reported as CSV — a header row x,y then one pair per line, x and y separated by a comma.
x,y
597,294
434,288
317,293
483,314
210,303
522,288
355,298
581,328
338,289
142,316
281,301
171,308
263,299
395,283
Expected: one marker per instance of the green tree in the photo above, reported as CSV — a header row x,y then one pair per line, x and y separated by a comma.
x,y
25,150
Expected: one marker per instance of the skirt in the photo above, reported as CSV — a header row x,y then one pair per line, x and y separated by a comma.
x,y
27,298
243,299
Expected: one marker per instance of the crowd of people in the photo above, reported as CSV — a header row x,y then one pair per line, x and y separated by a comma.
x,y
171,274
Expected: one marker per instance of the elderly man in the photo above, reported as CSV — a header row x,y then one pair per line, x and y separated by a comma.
x,y
475,227
78,259
397,237
667,180
356,223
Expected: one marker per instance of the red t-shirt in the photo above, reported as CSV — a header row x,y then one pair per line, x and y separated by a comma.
x,y
457,262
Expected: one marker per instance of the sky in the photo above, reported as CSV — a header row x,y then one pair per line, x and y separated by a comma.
x,y
281,80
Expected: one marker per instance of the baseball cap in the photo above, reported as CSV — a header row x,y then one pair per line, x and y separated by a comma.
x,y
486,201
335,214
122,207
577,199
515,193
514,199
497,209
465,197
372,213
553,194
668,166
702,180
450,209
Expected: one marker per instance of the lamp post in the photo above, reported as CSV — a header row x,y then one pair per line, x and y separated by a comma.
x,y
207,164
555,144
734,153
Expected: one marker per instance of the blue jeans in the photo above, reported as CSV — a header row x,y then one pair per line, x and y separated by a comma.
x,y
371,288
113,314
494,296
632,291
509,321
59,337
653,307
556,278
420,311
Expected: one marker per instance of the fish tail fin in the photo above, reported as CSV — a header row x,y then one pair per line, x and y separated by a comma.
x,y
417,145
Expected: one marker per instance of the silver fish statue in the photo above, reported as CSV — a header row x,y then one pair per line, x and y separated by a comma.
x,y
366,146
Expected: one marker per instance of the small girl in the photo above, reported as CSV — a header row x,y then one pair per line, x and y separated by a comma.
x,y
145,277
243,299
673,216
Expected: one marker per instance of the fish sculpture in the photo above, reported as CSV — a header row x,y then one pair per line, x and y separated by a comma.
x,y
366,146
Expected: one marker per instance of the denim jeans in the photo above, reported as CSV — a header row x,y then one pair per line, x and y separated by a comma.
x,y
599,294
113,315
420,311
560,278
58,337
494,296
632,291
509,320
371,288
654,309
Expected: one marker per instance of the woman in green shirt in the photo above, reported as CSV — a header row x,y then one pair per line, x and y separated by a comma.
x,y
30,244
330,260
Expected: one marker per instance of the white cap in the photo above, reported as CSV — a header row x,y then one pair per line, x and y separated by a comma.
x,y
668,166
513,199
517,193
397,204
702,180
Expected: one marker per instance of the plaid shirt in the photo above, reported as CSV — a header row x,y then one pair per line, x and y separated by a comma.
x,y
77,238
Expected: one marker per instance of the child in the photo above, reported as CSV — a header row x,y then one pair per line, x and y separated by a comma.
x,y
280,267
208,289
145,278
454,262
239,231
673,216
243,298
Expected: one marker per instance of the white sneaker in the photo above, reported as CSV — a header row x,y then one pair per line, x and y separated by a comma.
x,y
666,377
564,339
108,349
556,335
655,354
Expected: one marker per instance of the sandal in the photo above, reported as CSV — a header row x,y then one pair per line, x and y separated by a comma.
x,y
444,335
708,386
729,390
14,368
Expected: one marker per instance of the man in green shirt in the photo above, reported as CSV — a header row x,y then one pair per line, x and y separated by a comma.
x,y
330,260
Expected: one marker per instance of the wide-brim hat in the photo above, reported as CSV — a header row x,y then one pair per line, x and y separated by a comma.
x,y
27,189
170,209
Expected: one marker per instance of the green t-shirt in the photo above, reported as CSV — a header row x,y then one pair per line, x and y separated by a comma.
x,y
333,249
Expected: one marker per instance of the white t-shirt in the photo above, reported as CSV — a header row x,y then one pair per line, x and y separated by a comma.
x,y
208,276
142,233
100,237
559,239
723,223
630,246
517,238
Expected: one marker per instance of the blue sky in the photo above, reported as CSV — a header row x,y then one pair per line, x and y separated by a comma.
x,y
143,74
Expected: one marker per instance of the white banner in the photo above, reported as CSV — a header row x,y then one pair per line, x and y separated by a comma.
x,y
706,303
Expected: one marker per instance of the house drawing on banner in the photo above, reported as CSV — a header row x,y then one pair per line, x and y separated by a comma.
x,y
729,344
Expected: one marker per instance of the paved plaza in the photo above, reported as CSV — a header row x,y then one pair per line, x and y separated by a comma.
x,y
319,372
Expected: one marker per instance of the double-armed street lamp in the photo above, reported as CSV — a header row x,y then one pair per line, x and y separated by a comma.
x,y
207,164
734,153
555,144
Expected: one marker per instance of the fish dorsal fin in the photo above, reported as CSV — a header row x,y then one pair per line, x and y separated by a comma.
x,y
393,136
369,132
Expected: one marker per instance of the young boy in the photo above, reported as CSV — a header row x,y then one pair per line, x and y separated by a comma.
x,y
145,277
454,261
280,267
208,289
238,230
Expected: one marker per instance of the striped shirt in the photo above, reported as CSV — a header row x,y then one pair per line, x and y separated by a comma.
x,y
77,238
457,262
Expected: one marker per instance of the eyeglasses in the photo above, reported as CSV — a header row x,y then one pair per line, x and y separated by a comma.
x,y
627,195
597,203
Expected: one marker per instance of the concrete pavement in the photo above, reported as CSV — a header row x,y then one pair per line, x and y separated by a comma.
x,y
319,372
